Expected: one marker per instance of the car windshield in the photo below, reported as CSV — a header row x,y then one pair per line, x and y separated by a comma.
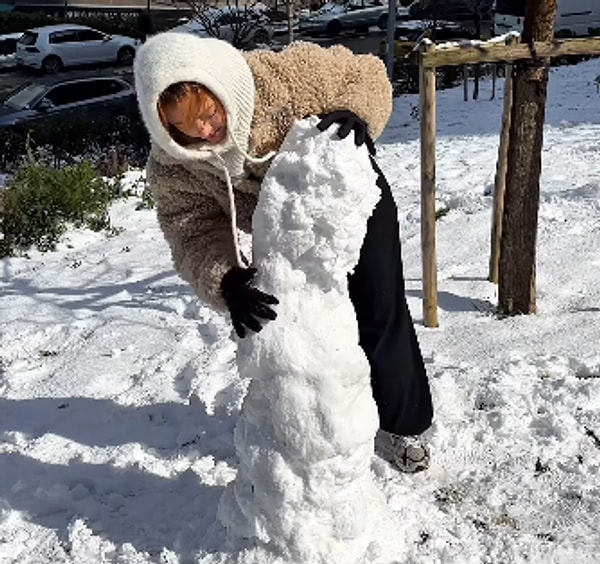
x,y
326,8
25,96
28,38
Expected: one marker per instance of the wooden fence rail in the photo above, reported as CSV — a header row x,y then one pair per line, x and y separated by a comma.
x,y
492,51
431,56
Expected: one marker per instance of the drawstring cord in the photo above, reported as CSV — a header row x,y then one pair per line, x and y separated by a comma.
x,y
232,210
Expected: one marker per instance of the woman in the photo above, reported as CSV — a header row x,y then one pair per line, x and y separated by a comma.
x,y
216,117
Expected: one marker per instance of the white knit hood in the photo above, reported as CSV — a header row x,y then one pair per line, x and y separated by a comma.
x,y
172,57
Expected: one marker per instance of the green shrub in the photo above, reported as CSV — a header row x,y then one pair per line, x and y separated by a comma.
x,y
125,24
13,22
147,201
40,202
122,23
82,136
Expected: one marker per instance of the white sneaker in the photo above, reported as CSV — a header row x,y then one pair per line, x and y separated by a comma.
x,y
407,454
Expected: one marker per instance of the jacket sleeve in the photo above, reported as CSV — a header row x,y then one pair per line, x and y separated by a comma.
x,y
195,226
307,79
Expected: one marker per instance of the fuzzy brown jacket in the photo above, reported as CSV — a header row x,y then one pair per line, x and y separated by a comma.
x,y
191,196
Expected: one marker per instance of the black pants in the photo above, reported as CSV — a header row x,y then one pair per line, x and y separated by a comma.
x,y
376,288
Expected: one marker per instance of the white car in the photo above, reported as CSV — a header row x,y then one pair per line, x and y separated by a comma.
x,y
241,26
52,47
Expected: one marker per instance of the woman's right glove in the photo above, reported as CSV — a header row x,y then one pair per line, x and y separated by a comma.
x,y
348,121
246,303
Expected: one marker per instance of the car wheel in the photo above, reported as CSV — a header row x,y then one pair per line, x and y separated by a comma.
x,y
261,36
334,28
382,21
125,55
51,65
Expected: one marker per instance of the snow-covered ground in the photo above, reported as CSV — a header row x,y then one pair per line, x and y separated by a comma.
x,y
119,390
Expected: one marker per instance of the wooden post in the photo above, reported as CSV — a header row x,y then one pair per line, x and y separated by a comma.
x,y
391,39
501,166
465,74
539,47
290,19
427,112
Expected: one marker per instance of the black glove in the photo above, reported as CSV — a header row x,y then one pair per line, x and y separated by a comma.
x,y
245,302
348,121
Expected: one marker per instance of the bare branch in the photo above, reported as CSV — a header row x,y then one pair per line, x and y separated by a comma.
x,y
242,25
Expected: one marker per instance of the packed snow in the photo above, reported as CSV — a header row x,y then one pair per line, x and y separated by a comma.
x,y
304,490
120,391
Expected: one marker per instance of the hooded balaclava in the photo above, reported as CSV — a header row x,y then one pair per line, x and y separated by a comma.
x,y
172,57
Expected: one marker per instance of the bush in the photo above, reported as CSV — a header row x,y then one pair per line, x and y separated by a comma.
x,y
114,24
40,202
125,23
82,136
147,201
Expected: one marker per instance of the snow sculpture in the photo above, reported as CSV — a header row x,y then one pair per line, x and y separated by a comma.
x,y
304,489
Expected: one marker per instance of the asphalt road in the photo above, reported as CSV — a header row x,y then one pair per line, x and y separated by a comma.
x,y
358,43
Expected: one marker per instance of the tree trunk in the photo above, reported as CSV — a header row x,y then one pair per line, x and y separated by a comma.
x,y
516,292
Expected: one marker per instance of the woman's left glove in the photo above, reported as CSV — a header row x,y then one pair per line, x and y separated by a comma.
x,y
246,303
348,121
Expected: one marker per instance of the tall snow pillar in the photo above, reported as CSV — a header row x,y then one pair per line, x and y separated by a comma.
x,y
304,489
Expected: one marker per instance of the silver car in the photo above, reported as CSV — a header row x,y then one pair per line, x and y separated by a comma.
x,y
52,47
332,19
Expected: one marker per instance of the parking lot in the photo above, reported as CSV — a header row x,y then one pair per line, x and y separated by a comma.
x,y
367,42
11,78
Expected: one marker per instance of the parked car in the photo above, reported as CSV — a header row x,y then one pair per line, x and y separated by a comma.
x,y
332,19
574,18
452,10
35,105
52,47
8,47
410,33
278,20
240,25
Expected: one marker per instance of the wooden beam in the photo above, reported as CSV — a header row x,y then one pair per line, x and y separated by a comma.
x,y
501,167
492,51
500,178
427,112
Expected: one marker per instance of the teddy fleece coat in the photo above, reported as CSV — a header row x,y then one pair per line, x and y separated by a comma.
x,y
191,193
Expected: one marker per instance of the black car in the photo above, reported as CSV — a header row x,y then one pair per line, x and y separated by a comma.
x,y
408,34
8,43
454,10
36,106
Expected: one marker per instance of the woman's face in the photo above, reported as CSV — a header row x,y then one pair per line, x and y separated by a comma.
x,y
211,126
